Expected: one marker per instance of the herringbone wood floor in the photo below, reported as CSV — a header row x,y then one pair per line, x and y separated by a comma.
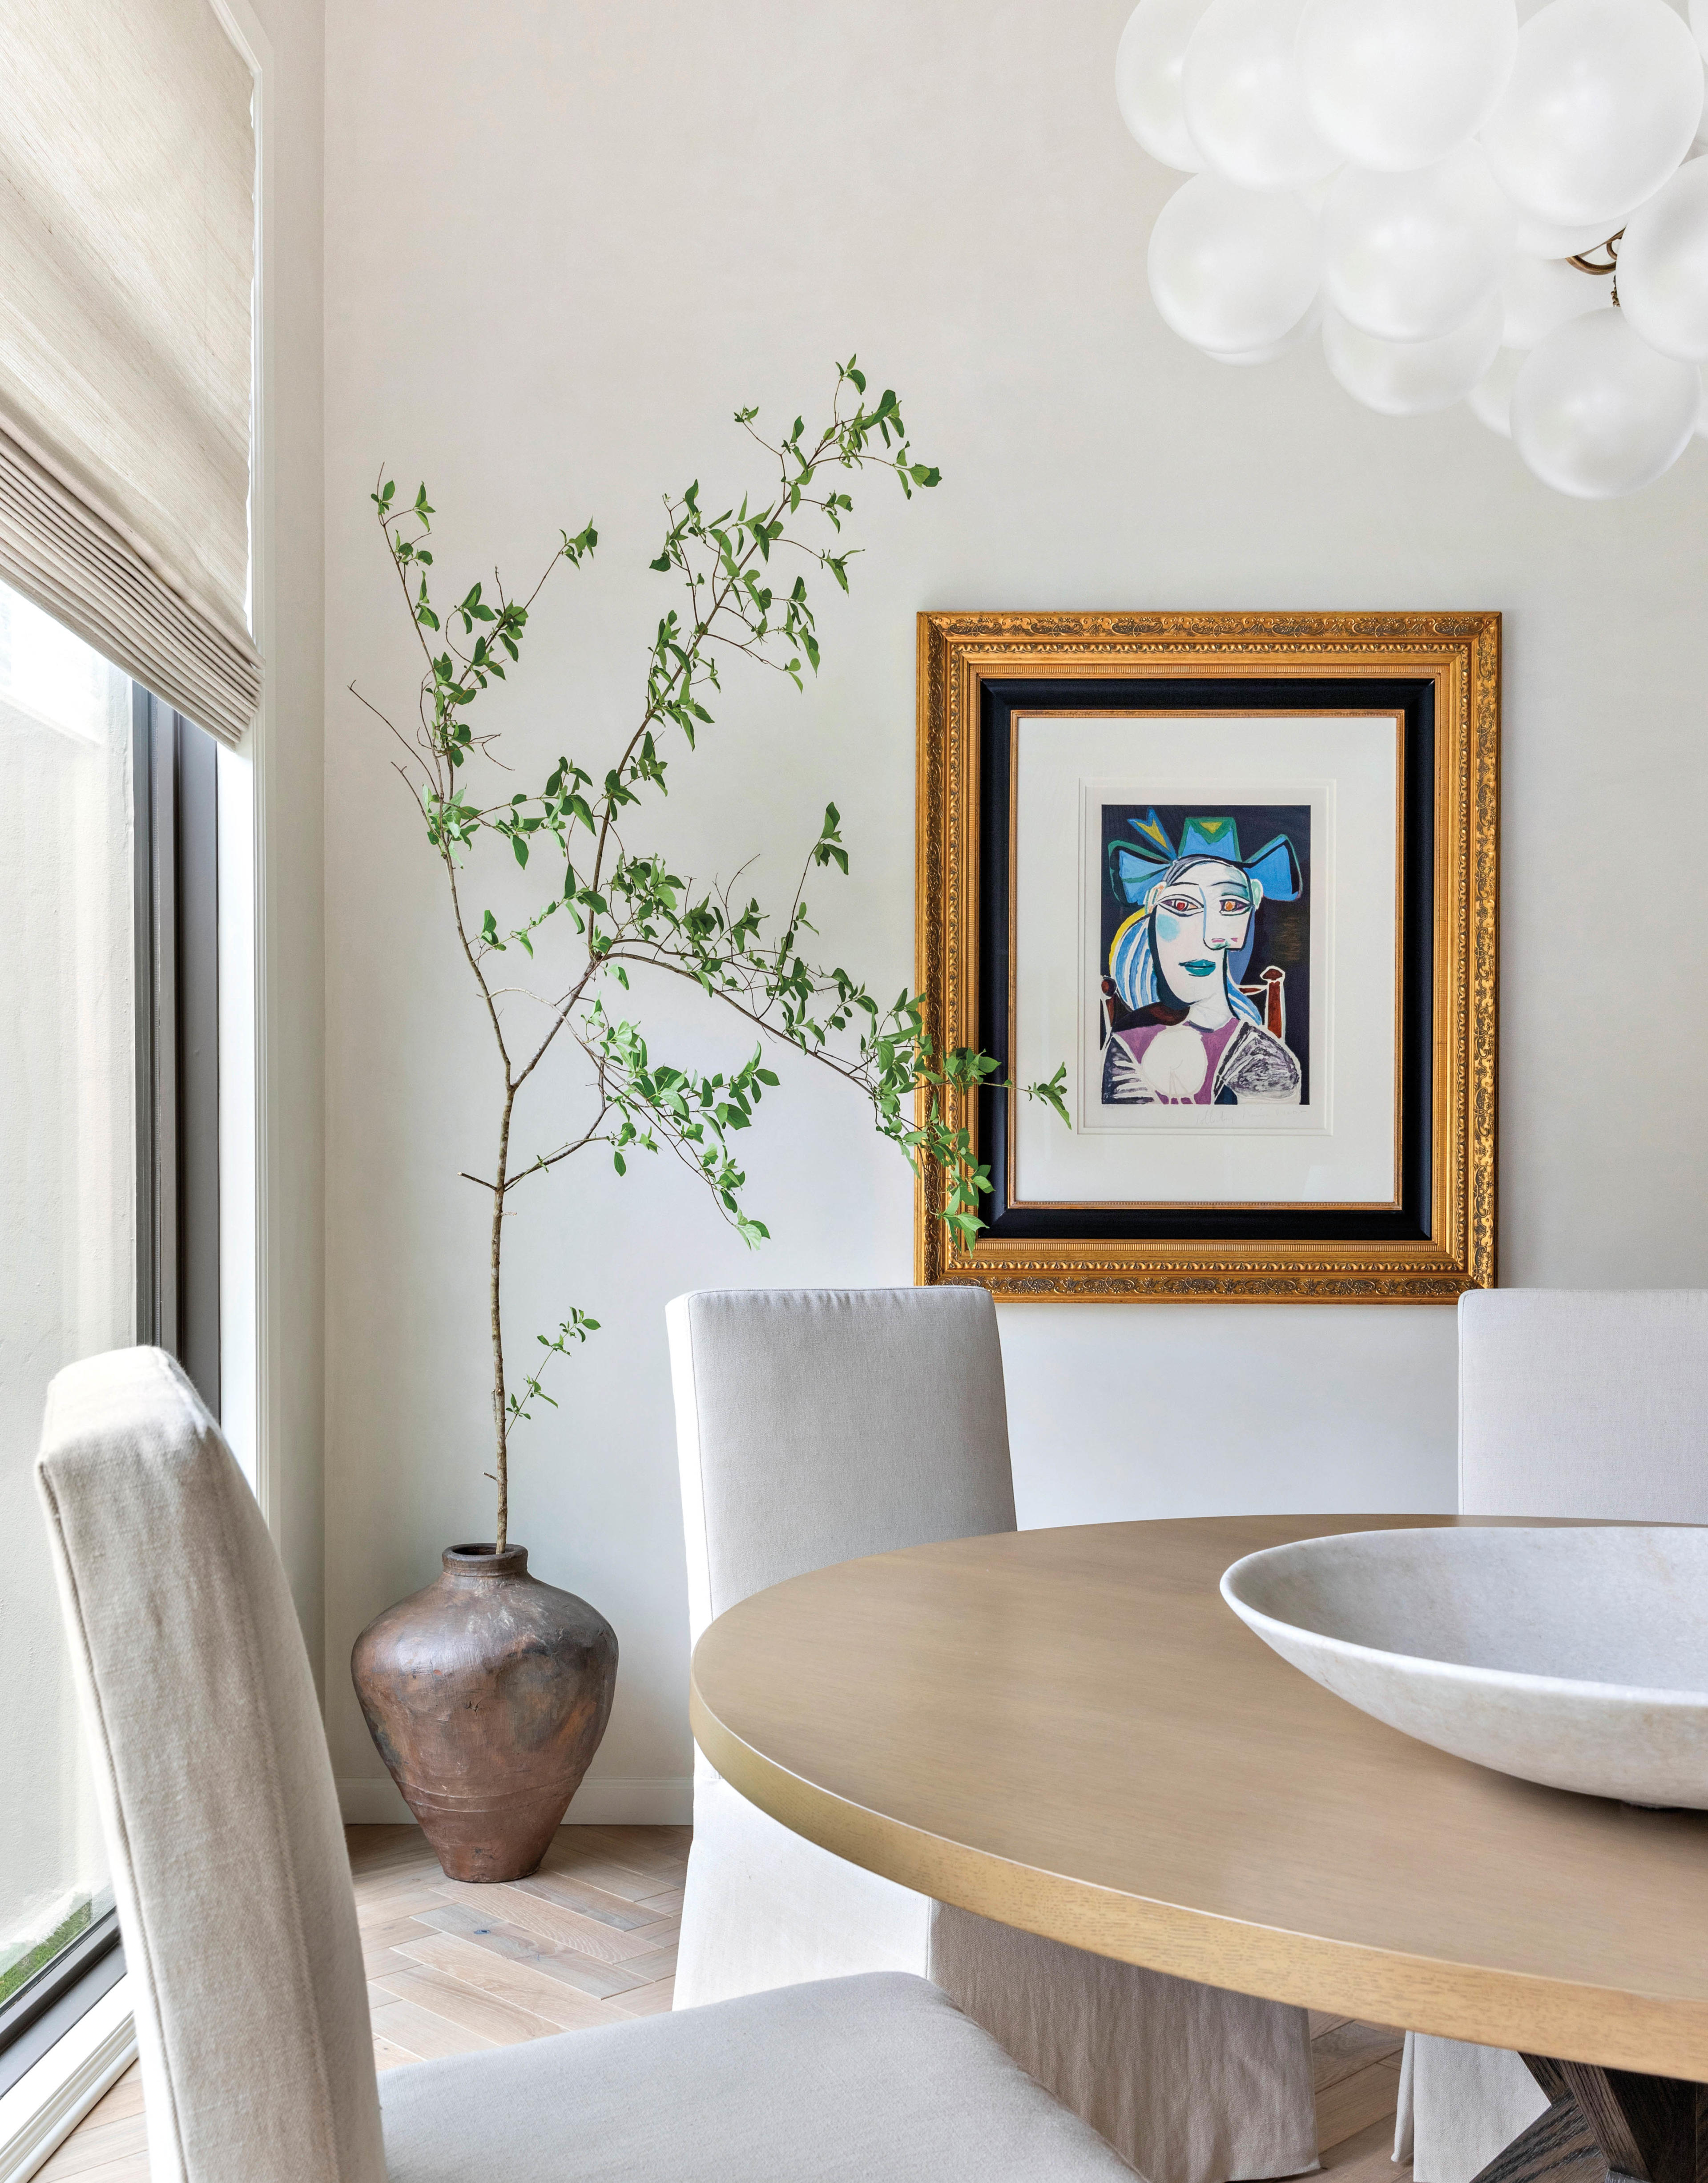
x,y
592,1938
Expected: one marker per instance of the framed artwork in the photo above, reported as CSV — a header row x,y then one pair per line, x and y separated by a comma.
x,y
1238,873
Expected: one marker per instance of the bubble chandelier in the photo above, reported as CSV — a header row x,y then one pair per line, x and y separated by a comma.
x,y
1458,209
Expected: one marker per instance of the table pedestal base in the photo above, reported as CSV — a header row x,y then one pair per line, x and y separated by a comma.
x,y
1604,2124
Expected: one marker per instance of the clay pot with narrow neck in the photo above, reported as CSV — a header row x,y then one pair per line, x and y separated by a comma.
x,y
486,1695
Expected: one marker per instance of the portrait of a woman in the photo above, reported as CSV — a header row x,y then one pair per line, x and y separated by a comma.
x,y
1192,1036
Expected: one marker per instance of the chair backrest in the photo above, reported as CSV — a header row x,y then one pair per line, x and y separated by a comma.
x,y
814,1425
1584,1402
216,1790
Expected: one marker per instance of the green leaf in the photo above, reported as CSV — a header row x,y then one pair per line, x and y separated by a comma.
x,y
732,601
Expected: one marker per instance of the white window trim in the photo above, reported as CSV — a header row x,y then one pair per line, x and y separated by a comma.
x,y
246,1349
52,2097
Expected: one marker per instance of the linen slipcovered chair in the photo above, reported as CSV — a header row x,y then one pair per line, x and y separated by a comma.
x,y
818,1426
239,1923
1586,1402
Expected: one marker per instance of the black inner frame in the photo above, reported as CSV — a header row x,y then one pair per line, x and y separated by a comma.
x,y
174,769
1413,696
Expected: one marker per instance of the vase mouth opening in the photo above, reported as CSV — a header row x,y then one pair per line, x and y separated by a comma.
x,y
480,1558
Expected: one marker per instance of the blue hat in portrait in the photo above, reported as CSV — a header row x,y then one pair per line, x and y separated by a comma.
x,y
1139,870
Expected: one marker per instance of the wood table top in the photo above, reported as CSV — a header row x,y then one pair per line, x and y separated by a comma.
x,y
1070,1731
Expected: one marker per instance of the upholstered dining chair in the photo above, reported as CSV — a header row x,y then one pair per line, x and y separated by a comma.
x,y
239,1919
1571,1403
817,1425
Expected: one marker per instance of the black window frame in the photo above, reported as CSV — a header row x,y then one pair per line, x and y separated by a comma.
x,y
175,836
177,924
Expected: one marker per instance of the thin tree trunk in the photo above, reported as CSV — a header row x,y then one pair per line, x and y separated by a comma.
x,y
498,1419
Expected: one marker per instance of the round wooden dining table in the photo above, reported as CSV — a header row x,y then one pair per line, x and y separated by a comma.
x,y
1070,1732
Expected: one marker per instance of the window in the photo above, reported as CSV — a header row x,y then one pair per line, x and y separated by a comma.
x,y
108,1203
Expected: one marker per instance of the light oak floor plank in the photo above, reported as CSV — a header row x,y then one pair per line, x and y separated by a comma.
x,y
376,1962
93,2146
500,2023
384,1905
1367,2156
519,1985
631,1847
1353,2103
523,1904
658,1964
131,2168
1350,2047
646,1999
670,1900
590,1940
598,1871
516,1944
424,2033
620,1911
125,2099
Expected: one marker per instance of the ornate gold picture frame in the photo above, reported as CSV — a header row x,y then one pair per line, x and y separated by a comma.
x,y
1237,874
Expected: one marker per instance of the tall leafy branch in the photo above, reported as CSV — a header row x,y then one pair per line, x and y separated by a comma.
x,y
613,909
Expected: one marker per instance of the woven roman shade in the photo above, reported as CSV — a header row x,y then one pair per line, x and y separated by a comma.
x,y
127,269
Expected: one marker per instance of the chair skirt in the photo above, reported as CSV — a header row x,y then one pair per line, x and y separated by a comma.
x,y
1189,2083
1459,2106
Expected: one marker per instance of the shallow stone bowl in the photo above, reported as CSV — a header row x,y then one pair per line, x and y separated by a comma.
x,y
1577,1656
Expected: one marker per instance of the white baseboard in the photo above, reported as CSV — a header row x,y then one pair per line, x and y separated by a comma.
x,y
608,1800
369,1803
48,2102
617,1800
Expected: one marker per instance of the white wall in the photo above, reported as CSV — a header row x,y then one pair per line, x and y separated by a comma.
x,y
562,242
289,810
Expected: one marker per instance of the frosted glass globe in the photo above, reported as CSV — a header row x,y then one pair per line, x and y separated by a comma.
x,y
1491,398
1403,379
1663,266
1394,84
1540,293
1232,270
1306,327
1699,22
1545,238
1409,257
1316,194
1244,104
1148,62
1603,102
1596,412
1701,424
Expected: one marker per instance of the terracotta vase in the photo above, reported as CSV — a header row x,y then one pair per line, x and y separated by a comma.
x,y
486,1695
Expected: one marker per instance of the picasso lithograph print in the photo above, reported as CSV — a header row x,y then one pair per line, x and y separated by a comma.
x,y
1234,876
1193,1013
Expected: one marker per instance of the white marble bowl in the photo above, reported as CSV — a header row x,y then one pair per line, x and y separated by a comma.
x,y
1576,1656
